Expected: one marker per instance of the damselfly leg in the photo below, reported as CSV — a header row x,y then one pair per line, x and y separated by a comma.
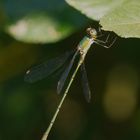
x,y
104,44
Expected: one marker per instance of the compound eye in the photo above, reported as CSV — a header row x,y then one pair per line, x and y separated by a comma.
x,y
93,32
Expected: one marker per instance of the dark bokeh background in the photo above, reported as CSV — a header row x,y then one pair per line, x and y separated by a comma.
x,y
26,109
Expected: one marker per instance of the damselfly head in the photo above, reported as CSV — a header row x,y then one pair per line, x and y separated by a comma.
x,y
91,32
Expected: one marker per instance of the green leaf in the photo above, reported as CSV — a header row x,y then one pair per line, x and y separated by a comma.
x,y
41,21
94,9
120,16
124,20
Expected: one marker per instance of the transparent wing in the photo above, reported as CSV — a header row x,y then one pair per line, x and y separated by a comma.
x,y
65,74
45,69
85,84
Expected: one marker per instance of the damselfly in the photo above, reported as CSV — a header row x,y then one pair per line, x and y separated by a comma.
x,y
45,69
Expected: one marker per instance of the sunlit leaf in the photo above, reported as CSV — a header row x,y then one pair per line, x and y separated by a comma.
x,y
41,21
124,20
94,9
120,16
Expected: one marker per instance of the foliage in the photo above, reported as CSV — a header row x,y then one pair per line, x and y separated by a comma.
x,y
50,21
113,74
41,21
120,16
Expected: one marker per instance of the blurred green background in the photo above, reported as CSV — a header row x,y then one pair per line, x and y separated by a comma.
x,y
26,109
